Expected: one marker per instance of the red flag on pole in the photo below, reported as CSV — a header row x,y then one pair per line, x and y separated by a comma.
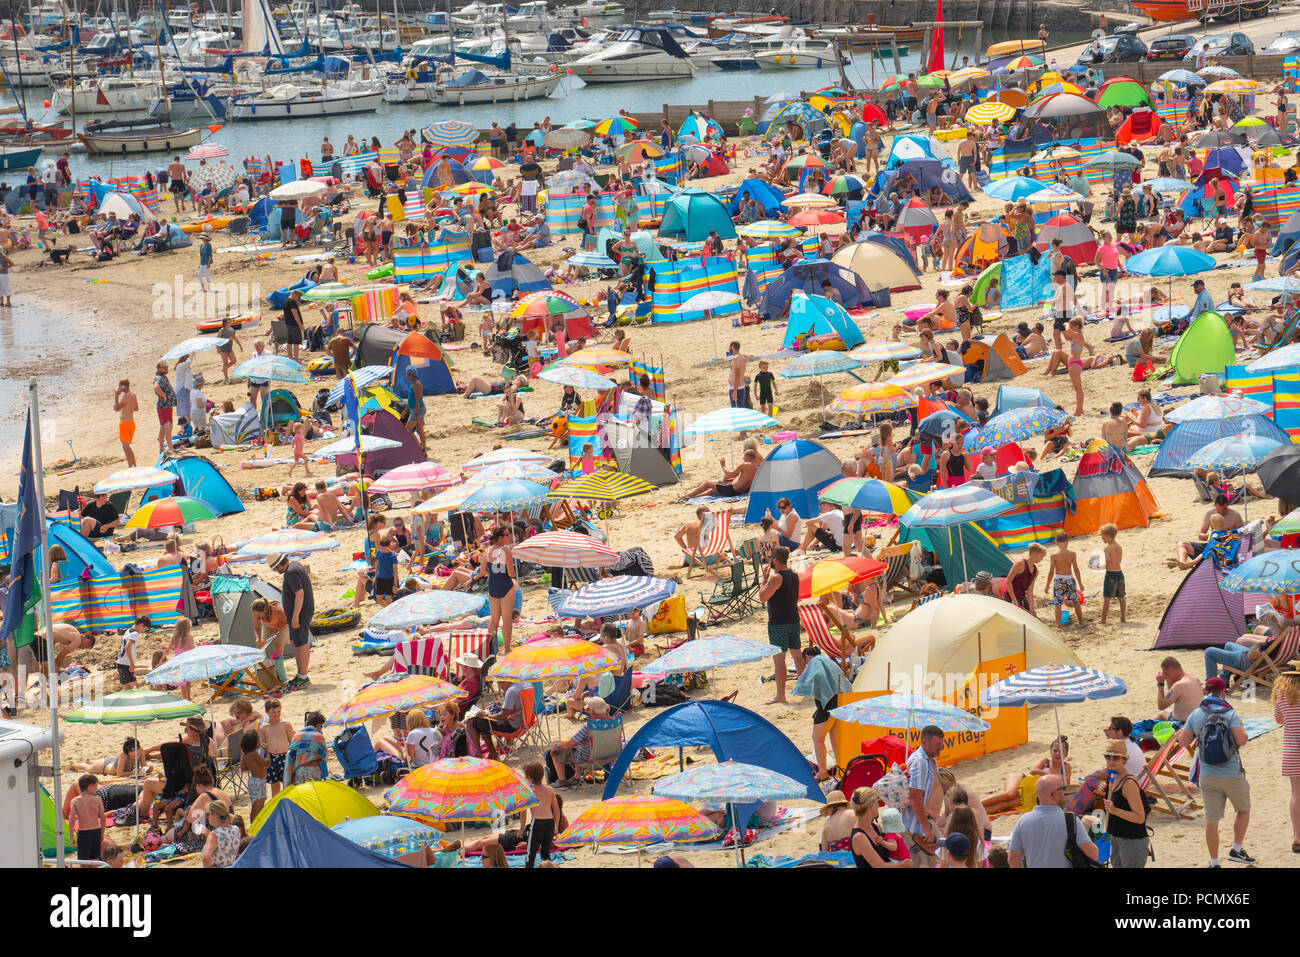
x,y
936,43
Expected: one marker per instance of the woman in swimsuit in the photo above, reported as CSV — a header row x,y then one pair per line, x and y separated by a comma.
x,y
949,231
1019,586
869,845
952,464
1053,763
965,311
119,765
840,819
1074,368
501,584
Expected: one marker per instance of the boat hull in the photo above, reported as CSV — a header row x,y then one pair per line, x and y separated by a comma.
x,y
511,93
631,71
19,158
794,61
293,109
124,143
1171,11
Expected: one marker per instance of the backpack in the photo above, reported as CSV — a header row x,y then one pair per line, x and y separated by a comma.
x,y
1215,743
1073,853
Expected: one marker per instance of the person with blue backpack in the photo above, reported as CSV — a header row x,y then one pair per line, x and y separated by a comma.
x,y
1218,732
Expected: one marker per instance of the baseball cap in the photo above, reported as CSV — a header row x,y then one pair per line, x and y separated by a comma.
x,y
1215,685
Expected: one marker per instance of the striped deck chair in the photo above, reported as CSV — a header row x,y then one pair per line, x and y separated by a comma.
x,y
716,545
436,654
1289,334
817,626
1166,779
898,566
1273,657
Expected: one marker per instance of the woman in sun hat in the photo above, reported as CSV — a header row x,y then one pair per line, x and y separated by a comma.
x,y
837,832
1126,813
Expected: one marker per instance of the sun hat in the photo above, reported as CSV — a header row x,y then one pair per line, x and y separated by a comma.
x,y
273,560
834,801
469,660
1115,747
891,820
195,723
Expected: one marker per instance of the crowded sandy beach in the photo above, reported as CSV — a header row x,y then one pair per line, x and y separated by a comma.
x,y
984,402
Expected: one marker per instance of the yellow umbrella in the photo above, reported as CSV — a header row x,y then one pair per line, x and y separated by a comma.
x,y
595,356
990,112
1236,85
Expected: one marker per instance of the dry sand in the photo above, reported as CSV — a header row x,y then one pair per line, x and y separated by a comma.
x,y
116,313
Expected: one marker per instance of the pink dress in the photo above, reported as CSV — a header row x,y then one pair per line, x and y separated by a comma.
x,y
1288,715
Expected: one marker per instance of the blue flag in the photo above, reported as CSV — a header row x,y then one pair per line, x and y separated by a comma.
x,y
352,407
24,580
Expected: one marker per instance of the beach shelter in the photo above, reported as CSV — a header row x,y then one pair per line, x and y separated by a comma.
x,y
712,164
915,146
962,550
81,552
798,112
700,127
1187,438
927,173
378,345
124,205
986,245
998,355
1203,613
328,802
1122,91
812,315
882,261
1107,488
512,271
234,428
808,275
385,425
768,197
1205,346
291,837
952,635
691,214
50,831
202,480
1138,127
734,733
1017,397
796,470
1076,238
280,407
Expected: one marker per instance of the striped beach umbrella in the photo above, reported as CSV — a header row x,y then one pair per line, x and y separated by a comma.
x,y
909,711
450,133
730,420
551,301
822,362
616,126
427,608
955,506
844,184
616,596
638,820
511,471
280,368
966,75
604,485
1227,405
708,653
497,456
191,346
287,541
1233,454
1023,62
415,477
579,377
134,706
1235,86
329,292
388,834
514,495
768,229
383,698
1271,572
869,398
565,550
806,161
168,512
868,495
884,351
596,356
135,477
460,789
366,375
206,151
638,151
1054,684
990,112
590,259
547,659
924,372
809,201
203,662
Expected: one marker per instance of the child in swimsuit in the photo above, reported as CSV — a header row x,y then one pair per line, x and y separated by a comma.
x,y
1063,586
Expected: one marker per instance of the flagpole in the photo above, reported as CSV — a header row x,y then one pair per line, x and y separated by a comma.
x,y
52,682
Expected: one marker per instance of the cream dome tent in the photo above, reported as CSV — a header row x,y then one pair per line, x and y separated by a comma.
x,y
124,205
951,636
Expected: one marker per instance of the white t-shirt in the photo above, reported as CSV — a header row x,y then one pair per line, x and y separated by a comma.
x,y
184,376
834,522
987,470
1137,762
529,188
126,653
424,744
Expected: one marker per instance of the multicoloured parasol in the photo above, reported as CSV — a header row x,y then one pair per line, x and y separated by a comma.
x,y
546,659
460,789
383,698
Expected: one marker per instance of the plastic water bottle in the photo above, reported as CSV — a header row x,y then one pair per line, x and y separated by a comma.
x,y
1065,615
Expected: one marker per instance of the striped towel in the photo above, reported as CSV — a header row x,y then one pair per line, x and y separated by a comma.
x,y
415,203
421,656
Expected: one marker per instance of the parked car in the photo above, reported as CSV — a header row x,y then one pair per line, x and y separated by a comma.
x,y
1223,44
1116,48
1284,43
1175,46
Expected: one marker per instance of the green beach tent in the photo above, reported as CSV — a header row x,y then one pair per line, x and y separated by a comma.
x,y
960,545
1206,346
49,833
980,287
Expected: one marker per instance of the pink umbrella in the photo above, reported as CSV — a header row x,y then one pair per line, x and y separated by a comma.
x,y
415,477
207,151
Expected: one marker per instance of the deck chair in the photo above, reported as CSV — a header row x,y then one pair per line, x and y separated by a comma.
x,y
1273,657
575,578
731,598
528,733
562,515
898,570
606,745
817,626
1290,331
716,545
620,699
1166,780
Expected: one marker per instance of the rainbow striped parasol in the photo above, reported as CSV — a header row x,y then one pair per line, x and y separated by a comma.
x,y
167,512
392,697
924,372
460,789
549,658
638,820
414,478
871,397
605,485
135,477
287,541
562,549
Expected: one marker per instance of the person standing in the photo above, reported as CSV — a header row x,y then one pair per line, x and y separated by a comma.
x,y
1217,730
5,265
501,585
293,323
299,606
1286,712
176,173
1038,840
126,405
737,387
781,593
1126,813
165,403
922,774
205,262
184,374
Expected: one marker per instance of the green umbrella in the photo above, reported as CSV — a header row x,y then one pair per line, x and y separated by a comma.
x,y
930,80
329,291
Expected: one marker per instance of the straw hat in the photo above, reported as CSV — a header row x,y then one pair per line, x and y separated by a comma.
x,y
470,660
834,801
195,723
1128,191
1115,748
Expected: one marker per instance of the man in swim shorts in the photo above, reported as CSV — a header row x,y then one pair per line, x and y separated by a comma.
x,y
125,404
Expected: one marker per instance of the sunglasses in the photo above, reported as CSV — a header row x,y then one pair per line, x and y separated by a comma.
x,y
1115,757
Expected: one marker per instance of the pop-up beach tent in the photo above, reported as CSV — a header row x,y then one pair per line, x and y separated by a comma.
x,y
808,275
1108,489
1202,614
1205,346
796,470
385,425
692,213
812,315
290,837
882,261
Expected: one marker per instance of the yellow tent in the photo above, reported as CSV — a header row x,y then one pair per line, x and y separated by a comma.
x,y
945,639
329,802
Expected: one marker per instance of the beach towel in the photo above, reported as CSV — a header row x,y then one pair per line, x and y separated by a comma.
x,y
1222,548
307,745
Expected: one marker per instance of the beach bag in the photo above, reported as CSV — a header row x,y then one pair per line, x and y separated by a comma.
x,y
1142,370
1029,792
1073,853
1215,744
893,789
669,617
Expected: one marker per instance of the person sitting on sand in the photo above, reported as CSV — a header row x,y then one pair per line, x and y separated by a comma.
x,y
1009,799
510,411
1148,423
734,482
1222,544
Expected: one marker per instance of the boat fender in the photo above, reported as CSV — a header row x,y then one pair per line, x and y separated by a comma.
x,y
411,75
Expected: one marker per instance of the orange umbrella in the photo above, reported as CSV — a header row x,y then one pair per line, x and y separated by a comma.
x,y
418,346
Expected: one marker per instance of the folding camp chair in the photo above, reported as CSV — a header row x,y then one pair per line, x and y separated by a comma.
x,y
229,776
717,544
731,597
815,623
606,745
1176,790
529,733
356,754
1266,669
898,568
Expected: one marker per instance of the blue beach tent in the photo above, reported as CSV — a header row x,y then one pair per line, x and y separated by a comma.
x,y
796,470
1187,438
818,316
807,275
691,214
768,196
293,838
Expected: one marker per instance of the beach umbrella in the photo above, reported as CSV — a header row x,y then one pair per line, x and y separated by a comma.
x,y
286,541
1054,685
549,659
868,495
576,376
561,549
967,75
383,698
537,137
1282,358
638,151
950,507
219,176
1226,405
298,189
822,362
638,820
1283,284
1016,425
510,471
844,184
1181,77
191,346
550,301
870,398
1056,195
604,485
280,368
908,711
567,138
884,351
450,133
617,126
924,372
596,356
135,477
806,161
1217,70
366,375
426,608
513,495
728,783
780,98
1234,455
617,595
1169,184
590,259
329,292
1122,91
1271,572
415,477
168,512
816,217
809,201
990,112
570,181
1234,86
697,152
1013,188
206,151
711,653
836,574
388,834
349,445
201,663
497,456
460,789
1055,105
1115,160
730,420
1169,260
1217,139
1289,524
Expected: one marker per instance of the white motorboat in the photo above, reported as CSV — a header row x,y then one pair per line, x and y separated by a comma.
x,y
797,54
639,53
594,12
290,101
534,17
475,86
107,94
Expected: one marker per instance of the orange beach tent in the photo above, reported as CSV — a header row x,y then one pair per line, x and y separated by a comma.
x,y
1107,488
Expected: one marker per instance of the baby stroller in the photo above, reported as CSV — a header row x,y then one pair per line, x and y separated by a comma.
x,y
508,349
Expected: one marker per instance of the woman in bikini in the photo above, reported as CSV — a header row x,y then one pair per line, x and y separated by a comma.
x,y
1009,799
122,764
965,311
